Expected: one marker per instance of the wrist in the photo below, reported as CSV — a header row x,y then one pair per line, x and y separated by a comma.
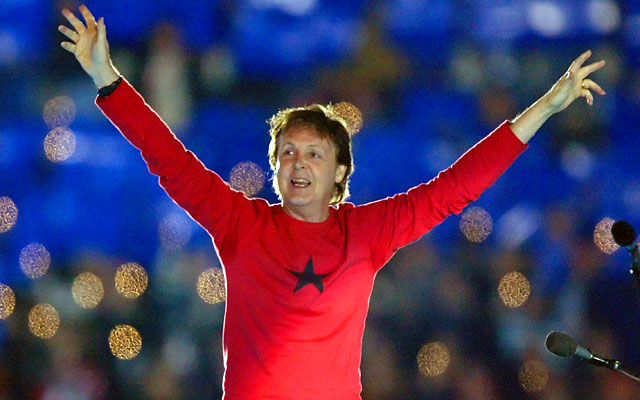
x,y
106,78
546,107
107,90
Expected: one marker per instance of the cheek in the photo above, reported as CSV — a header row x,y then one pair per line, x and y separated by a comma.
x,y
283,170
330,175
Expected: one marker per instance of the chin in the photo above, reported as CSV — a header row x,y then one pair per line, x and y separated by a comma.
x,y
295,201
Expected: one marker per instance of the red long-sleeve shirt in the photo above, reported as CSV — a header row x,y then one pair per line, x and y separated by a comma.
x,y
298,292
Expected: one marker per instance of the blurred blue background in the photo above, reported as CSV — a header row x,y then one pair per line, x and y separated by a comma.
x,y
431,78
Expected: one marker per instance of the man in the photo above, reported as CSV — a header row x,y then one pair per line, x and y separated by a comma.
x,y
299,274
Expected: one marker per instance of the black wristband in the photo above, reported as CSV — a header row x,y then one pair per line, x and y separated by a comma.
x,y
107,90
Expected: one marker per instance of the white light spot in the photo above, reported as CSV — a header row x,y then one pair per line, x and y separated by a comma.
x,y
293,7
604,15
174,231
547,18
577,161
517,225
476,224
59,144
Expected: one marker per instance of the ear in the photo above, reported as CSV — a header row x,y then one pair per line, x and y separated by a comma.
x,y
340,171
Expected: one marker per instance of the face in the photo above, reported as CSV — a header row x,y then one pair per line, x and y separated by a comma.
x,y
307,170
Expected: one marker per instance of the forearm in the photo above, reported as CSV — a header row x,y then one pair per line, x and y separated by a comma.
x,y
527,123
105,76
186,180
127,111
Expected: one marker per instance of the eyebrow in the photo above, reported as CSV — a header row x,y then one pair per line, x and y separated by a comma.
x,y
310,145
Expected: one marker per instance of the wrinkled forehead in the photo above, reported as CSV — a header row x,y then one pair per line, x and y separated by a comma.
x,y
301,135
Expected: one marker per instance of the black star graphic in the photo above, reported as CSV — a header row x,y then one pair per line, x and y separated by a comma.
x,y
308,276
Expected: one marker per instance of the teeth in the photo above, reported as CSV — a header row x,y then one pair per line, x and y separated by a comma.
x,y
300,182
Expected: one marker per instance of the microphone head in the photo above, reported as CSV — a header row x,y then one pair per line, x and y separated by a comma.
x,y
623,233
561,344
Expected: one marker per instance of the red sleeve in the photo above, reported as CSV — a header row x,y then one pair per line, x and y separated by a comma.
x,y
404,218
198,190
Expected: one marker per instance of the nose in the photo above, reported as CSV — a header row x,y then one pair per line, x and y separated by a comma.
x,y
299,162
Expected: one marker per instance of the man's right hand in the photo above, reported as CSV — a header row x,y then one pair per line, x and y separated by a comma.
x,y
89,45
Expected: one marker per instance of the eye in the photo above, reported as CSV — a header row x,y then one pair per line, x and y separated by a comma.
x,y
287,152
315,155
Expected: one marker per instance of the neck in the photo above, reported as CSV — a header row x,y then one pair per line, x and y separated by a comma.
x,y
318,215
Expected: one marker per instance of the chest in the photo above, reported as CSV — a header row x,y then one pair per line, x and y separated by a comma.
x,y
307,269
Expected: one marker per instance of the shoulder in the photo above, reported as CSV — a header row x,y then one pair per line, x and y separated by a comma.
x,y
344,207
350,211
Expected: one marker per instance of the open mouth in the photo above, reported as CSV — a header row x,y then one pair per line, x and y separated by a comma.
x,y
300,183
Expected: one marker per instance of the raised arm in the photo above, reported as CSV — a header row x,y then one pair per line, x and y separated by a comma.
x,y
198,190
407,216
573,84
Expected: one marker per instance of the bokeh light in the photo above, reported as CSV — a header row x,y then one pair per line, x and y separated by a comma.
x,y
296,8
578,161
603,238
533,376
350,114
547,18
87,290
125,342
514,289
131,280
7,301
34,260
247,177
604,15
44,320
59,144
174,231
211,286
433,359
59,111
476,224
8,214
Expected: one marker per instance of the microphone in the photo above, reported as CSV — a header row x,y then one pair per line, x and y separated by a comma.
x,y
624,235
563,345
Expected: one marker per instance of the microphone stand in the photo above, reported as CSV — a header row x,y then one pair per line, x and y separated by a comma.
x,y
629,374
626,372
635,264
612,364
635,270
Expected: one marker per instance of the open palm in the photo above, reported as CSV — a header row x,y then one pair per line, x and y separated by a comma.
x,y
89,45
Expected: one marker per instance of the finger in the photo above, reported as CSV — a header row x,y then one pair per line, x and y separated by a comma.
x,y
70,47
75,22
88,17
591,85
102,31
591,68
71,34
588,96
577,63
